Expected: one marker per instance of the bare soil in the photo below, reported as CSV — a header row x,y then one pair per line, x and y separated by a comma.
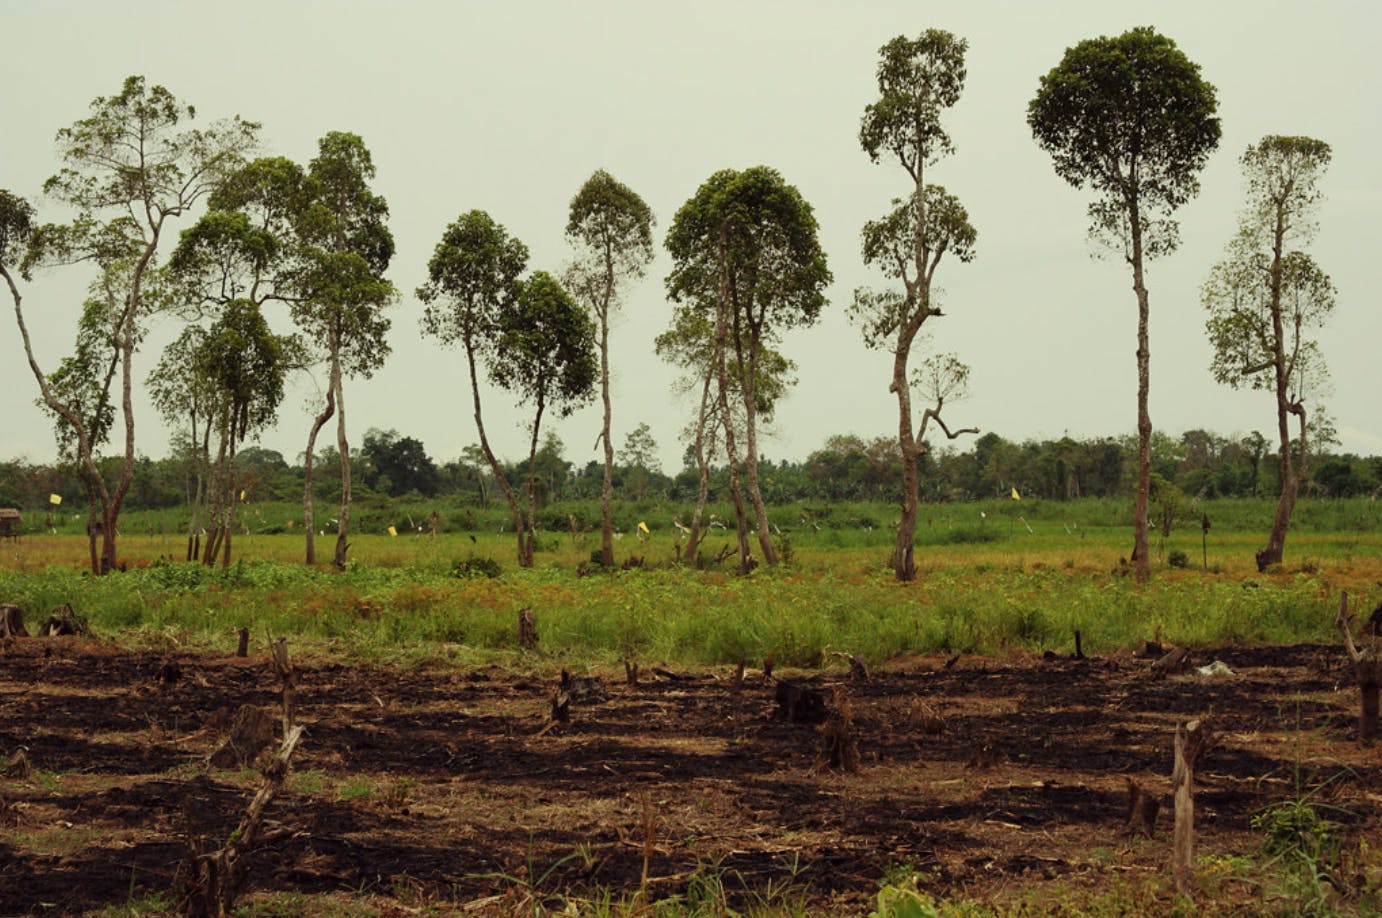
x,y
992,779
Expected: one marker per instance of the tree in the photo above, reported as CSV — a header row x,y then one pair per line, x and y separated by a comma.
x,y
640,456
245,365
917,80
1131,118
182,394
611,229
400,462
745,245
130,167
473,276
1265,298
546,354
345,249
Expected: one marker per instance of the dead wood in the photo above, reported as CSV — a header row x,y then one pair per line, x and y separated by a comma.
x,y
243,648
169,672
211,881
561,707
1079,647
288,677
63,621
669,675
1192,739
950,664
630,672
527,629
1142,810
983,755
1367,667
1175,661
858,669
251,732
801,704
12,621
737,683
769,662
839,749
583,689
16,764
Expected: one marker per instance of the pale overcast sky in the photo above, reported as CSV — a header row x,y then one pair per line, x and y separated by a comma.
x,y
510,106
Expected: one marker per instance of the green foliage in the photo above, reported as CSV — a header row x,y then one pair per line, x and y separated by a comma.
x,y
1178,559
1131,118
476,566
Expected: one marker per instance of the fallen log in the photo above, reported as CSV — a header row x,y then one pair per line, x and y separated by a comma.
x,y
1175,660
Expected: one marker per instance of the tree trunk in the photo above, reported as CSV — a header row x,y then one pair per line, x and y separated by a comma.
x,y
530,543
1141,554
607,490
693,538
308,522
904,551
343,447
524,559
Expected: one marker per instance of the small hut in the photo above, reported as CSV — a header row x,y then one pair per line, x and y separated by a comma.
x,y
11,523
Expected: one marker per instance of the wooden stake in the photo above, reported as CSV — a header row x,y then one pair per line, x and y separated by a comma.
x,y
243,650
1142,810
527,629
284,668
1191,740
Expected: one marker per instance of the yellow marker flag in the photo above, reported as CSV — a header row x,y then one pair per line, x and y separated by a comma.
x,y
643,527
393,531
1016,496
55,499
242,497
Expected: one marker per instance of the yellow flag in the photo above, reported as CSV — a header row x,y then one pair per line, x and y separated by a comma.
x,y
55,499
393,531
242,497
1016,496
643,527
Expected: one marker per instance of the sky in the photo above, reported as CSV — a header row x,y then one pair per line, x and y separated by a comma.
x,y
509,107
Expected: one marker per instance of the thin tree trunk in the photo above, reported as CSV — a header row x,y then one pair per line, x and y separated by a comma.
x,y
904,551
731,449
1142,560
308,521
530,545
1291,474
607,491
343,447
693,538
514,510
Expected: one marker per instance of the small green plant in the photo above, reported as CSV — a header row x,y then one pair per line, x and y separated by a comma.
x,y
1178,559
475,566
358,788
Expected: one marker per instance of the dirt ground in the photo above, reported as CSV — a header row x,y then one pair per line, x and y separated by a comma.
x,y
991,779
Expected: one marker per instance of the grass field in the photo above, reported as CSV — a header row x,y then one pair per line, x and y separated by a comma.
x,y
995,578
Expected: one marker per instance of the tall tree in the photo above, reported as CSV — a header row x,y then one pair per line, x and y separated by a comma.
x,y
183,395
917,80
473,277
1131,118
611,229
1266,297
746,245
244,365
545,354
345,248
130,167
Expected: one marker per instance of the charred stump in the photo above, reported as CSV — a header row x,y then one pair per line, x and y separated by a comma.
x,y
839,748
801,704
12,621
242,649
251,732
1142,810
1175,661
63,621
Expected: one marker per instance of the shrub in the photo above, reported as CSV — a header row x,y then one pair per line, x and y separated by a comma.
x,y
475,566
1178,559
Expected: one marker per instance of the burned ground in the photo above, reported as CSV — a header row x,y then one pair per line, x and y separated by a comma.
x,y
434,786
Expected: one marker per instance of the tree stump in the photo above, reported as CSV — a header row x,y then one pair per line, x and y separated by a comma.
x,y
12,621
251,732
583,689
800,704
839,749
1367,668
1191,740
527,629
288,677
243,648
1142,810
63,621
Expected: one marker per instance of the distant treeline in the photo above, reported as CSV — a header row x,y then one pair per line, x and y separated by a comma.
x,y
845,468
